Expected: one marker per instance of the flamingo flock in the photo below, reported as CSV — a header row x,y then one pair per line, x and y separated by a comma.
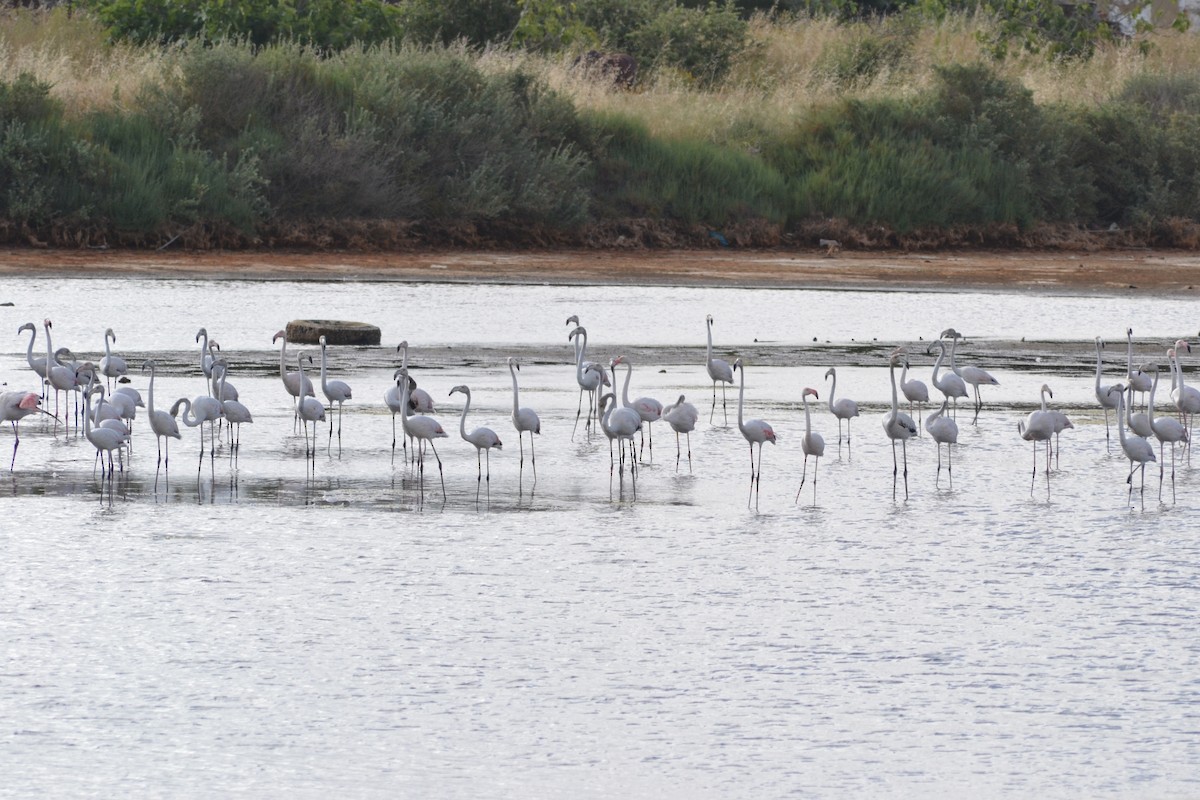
x,y
108,414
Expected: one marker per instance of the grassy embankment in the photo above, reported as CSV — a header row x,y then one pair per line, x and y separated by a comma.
x,y
888,134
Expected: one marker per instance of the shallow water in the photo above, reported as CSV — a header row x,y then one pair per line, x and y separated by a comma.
x,y
260,627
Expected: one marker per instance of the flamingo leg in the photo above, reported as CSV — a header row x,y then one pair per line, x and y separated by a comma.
x,y
803,474
677,453
713,410
579,412
16,444
895,470
441,474
904,450
939,469
950,462
816,463
689,443
532,457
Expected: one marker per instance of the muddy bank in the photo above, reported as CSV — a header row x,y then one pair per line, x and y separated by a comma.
x,y
1107,272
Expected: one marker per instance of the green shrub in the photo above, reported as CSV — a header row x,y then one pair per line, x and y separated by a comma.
x,y
701,42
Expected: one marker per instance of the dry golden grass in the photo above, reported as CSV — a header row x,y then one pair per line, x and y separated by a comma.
x,y
70,53
784,75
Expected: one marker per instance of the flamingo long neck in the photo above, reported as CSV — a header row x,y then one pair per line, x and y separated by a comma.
x,y
741,396
462,421
808,417
625,387
150,400
283,360
953,349
221,391
50,360
1043,399
580,350
1120,418
608,409
903,376
1129,408
1179,368
204,351
29,350
216,384
1129,354
512,368
895,397
1150,400
107,349
405,394
302,395
832,389
324,370
937,365
710,358
1099,366
189,418
935,415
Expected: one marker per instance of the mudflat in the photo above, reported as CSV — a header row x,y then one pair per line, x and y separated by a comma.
x,y
1105,272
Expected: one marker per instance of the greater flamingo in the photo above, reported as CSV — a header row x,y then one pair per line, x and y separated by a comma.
x,y
60,377
484,439
204,408
898,426
423,430
1166,430
1103,394
1138,380
949,384
718,370
111,366
648,409
393,398
944,431
105,440
619,423
812,444
15,406
234,412
843,409
309,409
972,375
682,417
1186,398
915,391
206,356
163,424
335,392
524,419
292,381
755,432
588,378
1137,449
38,365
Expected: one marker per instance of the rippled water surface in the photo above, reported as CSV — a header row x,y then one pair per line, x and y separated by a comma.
x,y
258,627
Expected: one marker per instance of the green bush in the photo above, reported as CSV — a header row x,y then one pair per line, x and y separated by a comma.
x,y
685,181
701,42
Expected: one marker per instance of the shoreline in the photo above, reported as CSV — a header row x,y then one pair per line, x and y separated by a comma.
x,y
1104,272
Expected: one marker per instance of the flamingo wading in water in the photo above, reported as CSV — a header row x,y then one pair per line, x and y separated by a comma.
x,y
755,432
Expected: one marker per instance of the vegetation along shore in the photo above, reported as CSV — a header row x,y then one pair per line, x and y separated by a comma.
x,y
525,123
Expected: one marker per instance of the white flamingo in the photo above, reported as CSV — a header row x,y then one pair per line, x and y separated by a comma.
x,y
648,409
755,432
292,381
915,391
949,384
393,398
38,365
682,417
944,431
206,355
620,424
1137,449
812,444
1103,393
1167,431
14,407
105,440
718,370
972,375
423,429
309,409
898,426
844,408
587,375
335,392
483,439
1139,382
163,425
234,412
111,366
524,419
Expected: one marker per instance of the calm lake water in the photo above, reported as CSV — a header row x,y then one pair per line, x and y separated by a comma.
x,y
261,627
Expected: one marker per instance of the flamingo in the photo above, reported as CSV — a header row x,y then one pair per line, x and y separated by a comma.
x,y
619,423
111,366
1059,421
163,424
15,406
335,392
648,409
309,409
1103,394
524,419
392,398
60,377
1137,449
222,390
38,365
484,439
682,417
1138,380
898,426
843,409
419,400
422,429
234,412
755,431
1166,430
1186,398
105,440
587,375
944,431
949,384
1038,427
969,374
812,444
292,381
915,391
204,408
206,356
718,370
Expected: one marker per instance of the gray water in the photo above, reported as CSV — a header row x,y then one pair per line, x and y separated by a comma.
x,y
263,627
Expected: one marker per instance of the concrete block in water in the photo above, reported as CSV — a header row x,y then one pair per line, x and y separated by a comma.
x,y
309,331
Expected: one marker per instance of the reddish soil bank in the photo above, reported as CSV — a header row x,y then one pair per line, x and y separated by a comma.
x,y
1162,272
